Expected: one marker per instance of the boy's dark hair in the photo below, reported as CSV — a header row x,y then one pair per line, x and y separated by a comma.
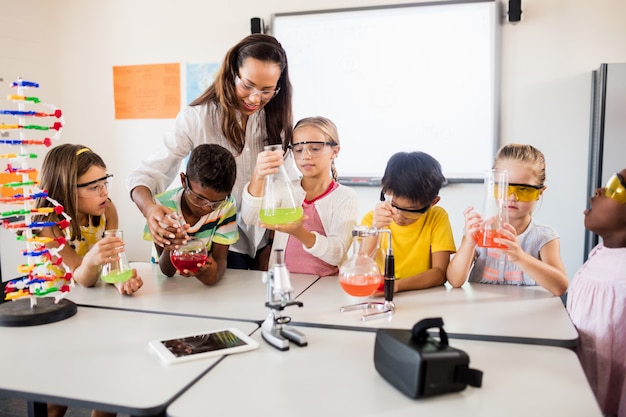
x,y
212,166
416,176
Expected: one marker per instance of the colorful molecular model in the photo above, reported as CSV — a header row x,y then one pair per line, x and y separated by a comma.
x,y
43,270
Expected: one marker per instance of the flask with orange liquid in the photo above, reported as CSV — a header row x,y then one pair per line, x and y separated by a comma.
x,y
495,212
359,275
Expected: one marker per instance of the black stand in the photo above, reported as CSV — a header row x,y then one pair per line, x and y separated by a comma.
x,y
19,313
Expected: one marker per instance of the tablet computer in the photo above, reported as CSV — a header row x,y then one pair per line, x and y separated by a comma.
x,y
203,345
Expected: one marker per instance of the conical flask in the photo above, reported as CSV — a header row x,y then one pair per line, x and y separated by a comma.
x,y
279,204
359,275
118,270
495,212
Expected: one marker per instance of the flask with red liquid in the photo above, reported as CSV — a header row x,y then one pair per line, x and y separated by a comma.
x,y
192,255
495,212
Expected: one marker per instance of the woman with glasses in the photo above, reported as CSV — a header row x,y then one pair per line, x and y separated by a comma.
x,y
205,205
318,242
596,299
77,179
247,107
532,255
421,233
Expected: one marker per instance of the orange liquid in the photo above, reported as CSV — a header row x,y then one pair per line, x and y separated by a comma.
x,y
360,285
485,240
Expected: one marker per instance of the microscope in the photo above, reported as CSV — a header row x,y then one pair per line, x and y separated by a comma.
x,y
274,329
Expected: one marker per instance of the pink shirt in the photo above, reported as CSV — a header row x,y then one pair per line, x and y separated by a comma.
x,y
297,259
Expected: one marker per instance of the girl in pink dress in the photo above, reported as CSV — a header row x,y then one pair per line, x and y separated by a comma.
x,y
596,299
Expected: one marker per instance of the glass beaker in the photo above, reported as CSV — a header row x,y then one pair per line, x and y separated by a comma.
x,y
117,270
189,256
495,212
359,275
279,204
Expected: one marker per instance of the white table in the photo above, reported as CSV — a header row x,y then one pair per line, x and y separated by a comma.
x,y
335,376
475,311
100,359
239,295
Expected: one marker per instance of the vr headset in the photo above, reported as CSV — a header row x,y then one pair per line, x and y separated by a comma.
x,y
420,366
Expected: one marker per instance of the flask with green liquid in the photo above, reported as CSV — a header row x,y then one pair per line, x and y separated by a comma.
x,y
117,270
280,204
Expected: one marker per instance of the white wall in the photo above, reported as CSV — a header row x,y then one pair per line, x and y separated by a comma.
x,y
547,60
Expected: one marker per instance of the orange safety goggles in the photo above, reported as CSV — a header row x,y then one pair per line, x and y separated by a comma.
x,y
523,192
615,189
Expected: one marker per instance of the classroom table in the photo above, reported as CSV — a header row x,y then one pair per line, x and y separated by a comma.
x,y
475,311
239,295
100,358
335,375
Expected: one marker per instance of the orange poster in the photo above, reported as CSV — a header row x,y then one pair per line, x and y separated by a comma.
x,y
146,91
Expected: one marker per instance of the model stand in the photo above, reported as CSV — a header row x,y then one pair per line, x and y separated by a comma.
x,y
38,296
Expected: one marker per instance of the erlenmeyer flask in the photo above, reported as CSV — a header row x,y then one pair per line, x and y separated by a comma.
x,y
359,275
279,204
117,270
495,212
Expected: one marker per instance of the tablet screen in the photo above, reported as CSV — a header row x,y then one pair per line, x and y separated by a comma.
x,y
207,342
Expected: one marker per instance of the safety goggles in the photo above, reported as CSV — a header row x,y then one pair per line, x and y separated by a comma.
x,y
615,189
412,214
523,192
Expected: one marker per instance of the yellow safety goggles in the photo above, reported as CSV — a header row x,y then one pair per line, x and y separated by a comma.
x,y
523,192
615,189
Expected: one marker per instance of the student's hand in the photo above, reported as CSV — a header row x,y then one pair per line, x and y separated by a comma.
x,y
156,218
104,251
383,214
513,251
267,163
473,223
131,286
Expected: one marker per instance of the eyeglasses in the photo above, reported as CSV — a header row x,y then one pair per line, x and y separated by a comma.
x,y
615,188
523,192
95,187
407,213
200,201
313,148
251,91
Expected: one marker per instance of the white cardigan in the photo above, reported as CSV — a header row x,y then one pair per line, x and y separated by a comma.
x,y
338,213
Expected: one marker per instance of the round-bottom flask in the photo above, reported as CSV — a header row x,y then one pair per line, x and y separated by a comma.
x,y
359,275
189,256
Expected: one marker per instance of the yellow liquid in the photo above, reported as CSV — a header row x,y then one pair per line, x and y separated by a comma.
x,y
117,276
281,215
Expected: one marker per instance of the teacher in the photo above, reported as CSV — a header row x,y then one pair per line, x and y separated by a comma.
x,y
247,107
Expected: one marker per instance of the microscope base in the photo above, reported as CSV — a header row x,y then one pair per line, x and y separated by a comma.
x,y
280,335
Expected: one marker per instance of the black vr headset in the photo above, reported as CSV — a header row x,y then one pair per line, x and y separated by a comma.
x,y
420,366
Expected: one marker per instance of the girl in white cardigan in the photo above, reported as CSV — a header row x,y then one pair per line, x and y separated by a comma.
x,y
319,241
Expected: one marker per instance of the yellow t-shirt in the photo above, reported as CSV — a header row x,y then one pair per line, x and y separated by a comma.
x,y
413,244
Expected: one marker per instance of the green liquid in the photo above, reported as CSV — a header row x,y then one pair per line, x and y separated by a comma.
x,y
117,276
281,215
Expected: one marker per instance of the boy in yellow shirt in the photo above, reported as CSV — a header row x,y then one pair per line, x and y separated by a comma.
x,y
421,234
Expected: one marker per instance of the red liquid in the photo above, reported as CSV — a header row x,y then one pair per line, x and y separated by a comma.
x,y
486,240
188,261
360,286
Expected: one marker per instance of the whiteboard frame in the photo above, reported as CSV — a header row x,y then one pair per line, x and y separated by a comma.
x,y
490,144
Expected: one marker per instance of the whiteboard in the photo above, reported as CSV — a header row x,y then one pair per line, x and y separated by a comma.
x,y
413,77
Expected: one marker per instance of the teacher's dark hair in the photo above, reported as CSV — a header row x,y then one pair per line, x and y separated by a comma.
x,y
278,113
